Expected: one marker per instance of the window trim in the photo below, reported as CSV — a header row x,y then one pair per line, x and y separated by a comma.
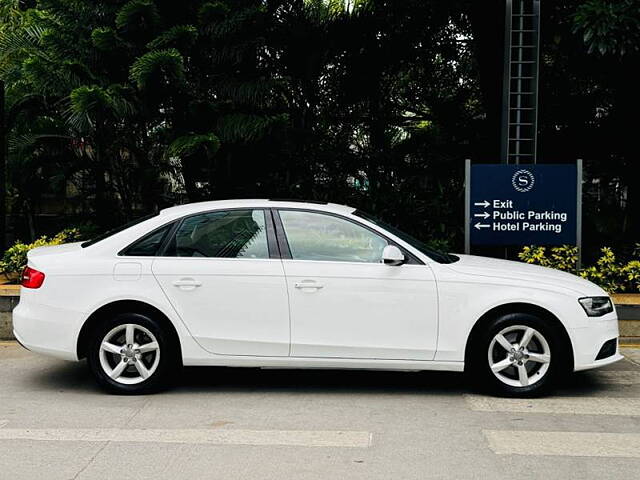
x,y
269,230
272,240
283,241
116,230
123,251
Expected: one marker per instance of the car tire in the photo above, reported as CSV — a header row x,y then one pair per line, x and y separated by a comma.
x,y
517,355
132,354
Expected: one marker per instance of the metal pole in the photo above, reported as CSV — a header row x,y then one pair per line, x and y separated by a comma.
x,y
579,211
506,85
467,206
536,12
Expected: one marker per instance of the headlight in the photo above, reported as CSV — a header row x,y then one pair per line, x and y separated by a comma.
x,y
596,306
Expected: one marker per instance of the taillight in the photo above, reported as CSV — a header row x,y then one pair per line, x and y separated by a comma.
x,y
32,278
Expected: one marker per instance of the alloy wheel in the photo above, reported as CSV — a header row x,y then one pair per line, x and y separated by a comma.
x,y
519,356
129,354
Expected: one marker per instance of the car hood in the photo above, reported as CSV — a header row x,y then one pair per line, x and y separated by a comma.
x,y
506,269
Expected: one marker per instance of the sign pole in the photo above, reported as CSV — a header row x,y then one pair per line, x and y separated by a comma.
x,y
579,212
467,206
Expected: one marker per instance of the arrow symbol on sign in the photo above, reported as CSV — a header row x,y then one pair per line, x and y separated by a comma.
x,y
484,215
481,225
484,204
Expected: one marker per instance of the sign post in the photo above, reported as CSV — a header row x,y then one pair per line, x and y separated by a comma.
x,y
516,205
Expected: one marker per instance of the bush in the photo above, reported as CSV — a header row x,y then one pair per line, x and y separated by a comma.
x,y
561,258
15,258
607,272
631,271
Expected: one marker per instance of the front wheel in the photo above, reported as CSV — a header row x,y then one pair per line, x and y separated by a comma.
x,y
518,355
131,354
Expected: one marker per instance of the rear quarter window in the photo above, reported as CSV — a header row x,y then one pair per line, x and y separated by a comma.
x,y
149,245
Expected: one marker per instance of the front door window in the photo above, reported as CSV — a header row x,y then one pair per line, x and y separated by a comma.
x,y
317,236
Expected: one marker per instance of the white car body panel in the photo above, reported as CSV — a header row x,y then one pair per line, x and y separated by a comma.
x,y
355,312
409,317
236,296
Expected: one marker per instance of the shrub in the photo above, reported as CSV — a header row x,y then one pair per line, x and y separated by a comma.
x,y
561,258
631,271
607,272
15,258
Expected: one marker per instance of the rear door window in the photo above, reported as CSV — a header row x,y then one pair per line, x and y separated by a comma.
x,y
221,234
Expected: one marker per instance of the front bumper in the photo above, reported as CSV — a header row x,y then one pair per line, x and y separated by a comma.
x,y
588,341
48,330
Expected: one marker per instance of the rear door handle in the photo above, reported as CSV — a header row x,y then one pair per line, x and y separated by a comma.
x,y
309,284
187,283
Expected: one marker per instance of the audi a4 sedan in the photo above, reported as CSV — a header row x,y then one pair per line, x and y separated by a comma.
x,y
267,283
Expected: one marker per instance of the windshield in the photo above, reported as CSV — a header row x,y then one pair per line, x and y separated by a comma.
x,y
438,256
113,231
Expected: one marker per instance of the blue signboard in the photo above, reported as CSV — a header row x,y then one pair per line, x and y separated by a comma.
x,y
523,204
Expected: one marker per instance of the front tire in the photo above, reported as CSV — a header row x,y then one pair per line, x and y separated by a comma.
x,y
130,353
518,355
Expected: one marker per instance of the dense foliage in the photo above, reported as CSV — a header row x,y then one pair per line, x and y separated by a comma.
x,y
611,274
117,108
15,257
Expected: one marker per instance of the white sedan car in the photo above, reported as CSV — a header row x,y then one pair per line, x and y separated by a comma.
x,y
267,283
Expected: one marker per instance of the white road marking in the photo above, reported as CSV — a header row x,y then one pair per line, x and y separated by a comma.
x,y
3,423
557,405
299,438
572,444
618,377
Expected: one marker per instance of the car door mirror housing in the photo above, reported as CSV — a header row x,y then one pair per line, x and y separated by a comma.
x,y
391,255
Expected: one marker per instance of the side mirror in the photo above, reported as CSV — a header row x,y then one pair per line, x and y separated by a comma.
x,y
391,255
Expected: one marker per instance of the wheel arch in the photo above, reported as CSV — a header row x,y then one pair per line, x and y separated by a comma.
x,y
124,306
518,307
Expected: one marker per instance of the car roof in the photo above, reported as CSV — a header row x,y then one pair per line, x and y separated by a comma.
x,y
197,207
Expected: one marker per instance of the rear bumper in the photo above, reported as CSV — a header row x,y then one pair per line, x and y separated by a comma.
x,y
48,330
588,341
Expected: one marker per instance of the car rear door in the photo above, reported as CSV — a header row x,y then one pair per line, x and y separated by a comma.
x,y
344,302
223,275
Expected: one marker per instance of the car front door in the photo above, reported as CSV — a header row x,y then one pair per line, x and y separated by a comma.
x,y
344,302
222,274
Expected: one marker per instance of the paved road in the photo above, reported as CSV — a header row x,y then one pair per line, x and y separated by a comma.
x,y
245,424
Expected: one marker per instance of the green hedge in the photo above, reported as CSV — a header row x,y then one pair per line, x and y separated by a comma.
x,y
612,275
15,258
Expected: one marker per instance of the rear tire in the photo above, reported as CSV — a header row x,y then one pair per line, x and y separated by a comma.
x,y
517,355
131,354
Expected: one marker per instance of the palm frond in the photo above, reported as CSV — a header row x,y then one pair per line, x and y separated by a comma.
x,y
105,39
212,13
167,63
188,144
20,41
236,22
181,37
86,103
260,91
244,127
138,14
121,103
26,141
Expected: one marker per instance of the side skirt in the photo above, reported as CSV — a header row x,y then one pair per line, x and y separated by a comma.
x,y
326,363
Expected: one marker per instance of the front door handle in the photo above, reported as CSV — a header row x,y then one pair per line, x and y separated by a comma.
x,y
187,283
309,284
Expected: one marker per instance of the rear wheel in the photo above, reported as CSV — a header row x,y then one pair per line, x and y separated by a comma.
x,y
131,354
518,355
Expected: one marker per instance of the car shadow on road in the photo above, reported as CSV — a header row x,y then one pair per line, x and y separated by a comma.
x,y
75,377
358,381
321,381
